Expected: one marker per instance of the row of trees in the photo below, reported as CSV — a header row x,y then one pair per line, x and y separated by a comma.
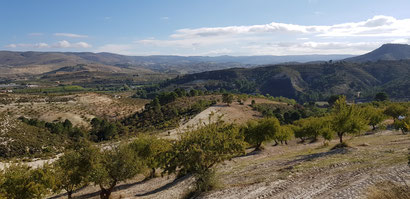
x,y
257,132
197,152
341,120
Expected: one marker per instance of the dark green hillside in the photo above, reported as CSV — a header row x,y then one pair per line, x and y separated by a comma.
x,y
168,109
306,81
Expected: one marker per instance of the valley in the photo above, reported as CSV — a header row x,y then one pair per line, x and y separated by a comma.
x,y
85,127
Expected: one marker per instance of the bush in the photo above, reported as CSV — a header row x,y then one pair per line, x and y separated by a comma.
x,y
227,98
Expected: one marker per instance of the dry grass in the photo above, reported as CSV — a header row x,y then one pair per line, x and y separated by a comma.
x,y
389,190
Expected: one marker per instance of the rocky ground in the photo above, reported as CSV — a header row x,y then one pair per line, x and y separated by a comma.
x,y
297,170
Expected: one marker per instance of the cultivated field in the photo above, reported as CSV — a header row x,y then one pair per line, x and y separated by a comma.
x,y
78,108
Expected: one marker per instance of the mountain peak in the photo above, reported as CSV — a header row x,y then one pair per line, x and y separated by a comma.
x,y
388,51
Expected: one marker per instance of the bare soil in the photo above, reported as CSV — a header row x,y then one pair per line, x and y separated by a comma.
x,y
234,113
297,170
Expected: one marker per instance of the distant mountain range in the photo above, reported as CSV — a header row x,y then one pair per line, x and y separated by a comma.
x,y
307,77
42,62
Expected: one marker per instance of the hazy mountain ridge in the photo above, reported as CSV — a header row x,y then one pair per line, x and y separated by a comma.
x,y
159,63
385,52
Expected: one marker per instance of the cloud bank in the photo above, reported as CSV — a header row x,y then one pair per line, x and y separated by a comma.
x,y
70,35
288,39
57,45
262,39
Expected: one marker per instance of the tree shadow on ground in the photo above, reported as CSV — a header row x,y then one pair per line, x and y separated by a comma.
x,y
314,156
253,152
165,187
97,193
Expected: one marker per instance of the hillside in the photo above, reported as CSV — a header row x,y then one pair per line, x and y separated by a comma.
x,y
307,81
385,52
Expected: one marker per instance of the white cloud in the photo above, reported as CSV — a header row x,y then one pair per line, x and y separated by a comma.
x,y
62,44
376,26
264,39
11,46
164,18
401,41
66,44
36,45
70,35
59,44
311,48
283,38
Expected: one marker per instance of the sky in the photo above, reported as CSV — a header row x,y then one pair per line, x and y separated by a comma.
x,y
203,27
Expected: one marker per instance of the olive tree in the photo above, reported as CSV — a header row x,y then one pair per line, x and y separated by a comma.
x,y
346,119
257,132
114,165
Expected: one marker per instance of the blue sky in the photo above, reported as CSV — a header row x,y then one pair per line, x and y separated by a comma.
x,y
211,27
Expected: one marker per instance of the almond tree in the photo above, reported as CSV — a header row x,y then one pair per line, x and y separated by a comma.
x,y
73,169
347,119
257,132
150,149
114,165
198,151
